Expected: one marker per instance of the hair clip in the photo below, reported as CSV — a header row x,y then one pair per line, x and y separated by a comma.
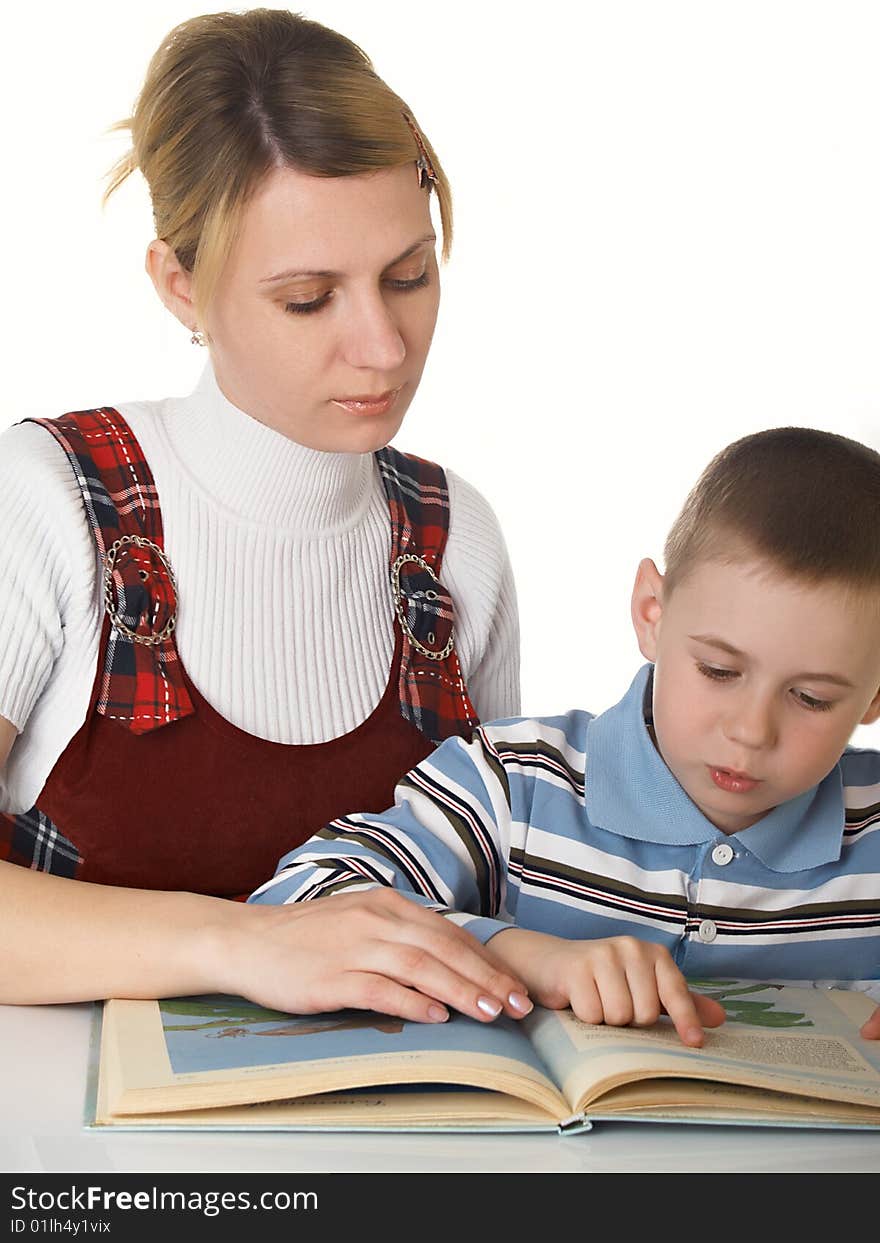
x,y
427,176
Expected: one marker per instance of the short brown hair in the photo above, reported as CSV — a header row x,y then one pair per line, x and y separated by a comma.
x,y
230,96
806,500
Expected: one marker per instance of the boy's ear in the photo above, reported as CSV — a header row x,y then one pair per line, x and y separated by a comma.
x,y
647,607
172,281
873,712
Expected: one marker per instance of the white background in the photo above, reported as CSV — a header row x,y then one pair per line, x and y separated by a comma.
x,y
667,236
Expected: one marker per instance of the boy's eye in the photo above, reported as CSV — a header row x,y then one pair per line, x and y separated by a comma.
x,y
715,672
811,702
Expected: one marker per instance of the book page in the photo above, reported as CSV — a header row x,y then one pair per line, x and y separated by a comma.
x,y
796,1040
203,1052
366,1110
700,1101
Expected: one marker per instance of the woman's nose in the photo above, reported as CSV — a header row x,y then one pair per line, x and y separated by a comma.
x,y
373,341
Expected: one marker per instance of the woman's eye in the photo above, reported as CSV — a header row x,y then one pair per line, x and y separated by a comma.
x,y
306,308
811,702
714,672
416,282
399,285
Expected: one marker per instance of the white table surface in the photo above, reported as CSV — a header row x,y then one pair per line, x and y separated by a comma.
x,y
43,1071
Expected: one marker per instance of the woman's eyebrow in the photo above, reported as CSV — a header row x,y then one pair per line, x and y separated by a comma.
x,y
294,273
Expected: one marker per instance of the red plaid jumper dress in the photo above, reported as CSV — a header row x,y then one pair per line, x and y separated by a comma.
x,y
157,790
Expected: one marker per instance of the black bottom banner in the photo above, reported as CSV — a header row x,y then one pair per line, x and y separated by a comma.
x,y
191,1207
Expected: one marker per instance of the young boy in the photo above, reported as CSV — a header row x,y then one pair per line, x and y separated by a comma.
x,y
713,823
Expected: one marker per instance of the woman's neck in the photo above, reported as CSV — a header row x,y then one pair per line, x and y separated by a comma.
x,y
259,473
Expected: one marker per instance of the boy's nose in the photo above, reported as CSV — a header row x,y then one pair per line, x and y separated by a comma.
x,y
751,723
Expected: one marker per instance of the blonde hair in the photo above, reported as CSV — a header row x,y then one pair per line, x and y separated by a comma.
x,y
230,96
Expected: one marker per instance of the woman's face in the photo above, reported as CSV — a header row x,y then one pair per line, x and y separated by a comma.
x,y
323,316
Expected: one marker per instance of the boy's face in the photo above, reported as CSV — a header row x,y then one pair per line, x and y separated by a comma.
x,y
759,681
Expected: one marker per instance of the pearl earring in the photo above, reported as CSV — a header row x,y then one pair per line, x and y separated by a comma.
x,y
198,338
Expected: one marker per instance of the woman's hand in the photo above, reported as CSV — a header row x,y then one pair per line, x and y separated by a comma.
x,y
371,950
8,734
620,981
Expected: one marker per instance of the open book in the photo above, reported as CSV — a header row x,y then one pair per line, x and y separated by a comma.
x,y
785,1056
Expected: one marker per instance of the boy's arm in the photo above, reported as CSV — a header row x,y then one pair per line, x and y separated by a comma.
x,y
444,843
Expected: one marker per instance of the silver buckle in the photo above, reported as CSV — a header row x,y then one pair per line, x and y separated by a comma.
x,y
150,640
401,611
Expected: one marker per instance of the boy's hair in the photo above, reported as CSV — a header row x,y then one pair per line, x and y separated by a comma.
x,y
807,500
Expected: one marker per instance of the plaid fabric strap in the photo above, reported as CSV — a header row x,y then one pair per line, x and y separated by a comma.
x,y
31,840
142,684
432,690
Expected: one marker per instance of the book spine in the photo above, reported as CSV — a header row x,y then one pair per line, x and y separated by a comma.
x,y
575,1125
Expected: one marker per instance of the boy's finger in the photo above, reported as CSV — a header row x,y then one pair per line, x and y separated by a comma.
x,y
871,1029
642,980
585,1000
711,1013
680,1004
614,993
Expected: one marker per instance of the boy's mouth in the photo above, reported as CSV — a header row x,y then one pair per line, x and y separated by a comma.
x,y
732,781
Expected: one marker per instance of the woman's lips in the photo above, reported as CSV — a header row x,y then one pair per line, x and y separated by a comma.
x,y
367,404
731,781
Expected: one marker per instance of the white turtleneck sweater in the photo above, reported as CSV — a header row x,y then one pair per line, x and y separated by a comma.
x,y
281,555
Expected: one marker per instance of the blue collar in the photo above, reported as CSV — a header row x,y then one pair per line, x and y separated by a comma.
x,y
630,791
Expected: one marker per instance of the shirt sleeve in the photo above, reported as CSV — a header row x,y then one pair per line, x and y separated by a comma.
x,y
478,574
44,540
445,843
50,607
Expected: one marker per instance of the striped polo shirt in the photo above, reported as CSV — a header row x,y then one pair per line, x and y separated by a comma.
x,y
573,825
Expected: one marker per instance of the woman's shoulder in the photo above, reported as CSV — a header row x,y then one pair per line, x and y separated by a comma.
x,y
32,460
474,530
31,454
40,500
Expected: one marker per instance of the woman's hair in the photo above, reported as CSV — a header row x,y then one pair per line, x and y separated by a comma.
x,y
805,500
230,96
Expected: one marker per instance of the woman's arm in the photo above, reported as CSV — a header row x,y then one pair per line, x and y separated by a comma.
x,y
67,940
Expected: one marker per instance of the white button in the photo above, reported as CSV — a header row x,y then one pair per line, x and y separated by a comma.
x,y
722,854
707,931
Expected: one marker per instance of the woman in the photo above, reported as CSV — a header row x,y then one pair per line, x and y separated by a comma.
x,y
202,598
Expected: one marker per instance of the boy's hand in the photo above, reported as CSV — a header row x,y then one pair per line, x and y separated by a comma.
x,y
620,981
871,1029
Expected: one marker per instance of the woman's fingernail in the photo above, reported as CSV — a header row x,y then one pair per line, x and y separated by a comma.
x,y
490,1007
438,1014
520,1002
